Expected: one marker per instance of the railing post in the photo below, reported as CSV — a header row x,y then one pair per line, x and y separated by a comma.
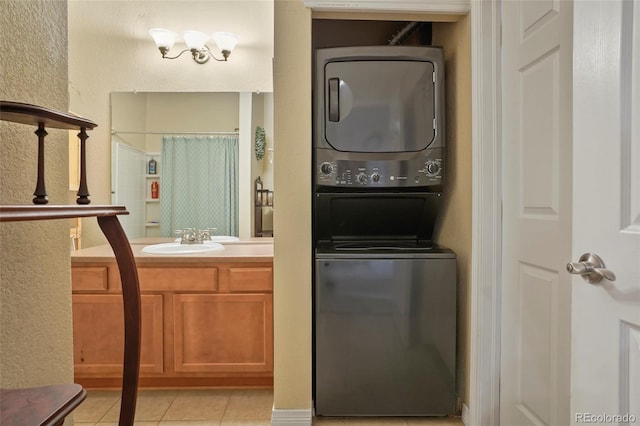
x,y
40,192
83,190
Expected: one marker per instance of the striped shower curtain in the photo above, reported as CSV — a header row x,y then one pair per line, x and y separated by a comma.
x,y
199,184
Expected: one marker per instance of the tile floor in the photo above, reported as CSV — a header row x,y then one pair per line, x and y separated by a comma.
x,y
211,408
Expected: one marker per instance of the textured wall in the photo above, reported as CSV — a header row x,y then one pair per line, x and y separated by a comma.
x,y
35,289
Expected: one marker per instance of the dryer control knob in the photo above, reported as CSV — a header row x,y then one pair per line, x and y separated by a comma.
x,y
362,178
375,177
326,168
433,169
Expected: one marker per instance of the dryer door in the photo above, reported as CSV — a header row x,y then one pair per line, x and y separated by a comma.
x,y
379,106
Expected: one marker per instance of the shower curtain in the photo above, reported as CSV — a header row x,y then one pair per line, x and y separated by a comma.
x,y
199,184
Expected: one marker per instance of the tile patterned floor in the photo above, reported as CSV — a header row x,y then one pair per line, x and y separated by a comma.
x,y
212,408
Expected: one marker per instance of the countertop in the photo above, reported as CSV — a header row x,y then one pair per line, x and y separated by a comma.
x,y
158,240
249,250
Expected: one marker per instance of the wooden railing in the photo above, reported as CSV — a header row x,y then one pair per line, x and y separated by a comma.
x,y
49,405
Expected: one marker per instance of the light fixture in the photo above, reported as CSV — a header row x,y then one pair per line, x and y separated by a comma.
x,y
196,44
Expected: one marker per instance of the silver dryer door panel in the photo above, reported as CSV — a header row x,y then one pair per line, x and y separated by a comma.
x,y
379,106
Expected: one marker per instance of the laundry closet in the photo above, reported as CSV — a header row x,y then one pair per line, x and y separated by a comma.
x,y
295,39
447,215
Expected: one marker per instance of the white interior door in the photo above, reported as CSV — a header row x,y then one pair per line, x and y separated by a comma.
x,y
537,212
605,373
571,144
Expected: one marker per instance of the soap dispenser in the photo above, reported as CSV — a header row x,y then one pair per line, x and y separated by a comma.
x,y
152,166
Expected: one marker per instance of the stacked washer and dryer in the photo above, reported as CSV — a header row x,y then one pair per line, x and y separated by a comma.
x,y
384,292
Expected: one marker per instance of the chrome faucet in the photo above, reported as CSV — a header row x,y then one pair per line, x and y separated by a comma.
x,y
191,236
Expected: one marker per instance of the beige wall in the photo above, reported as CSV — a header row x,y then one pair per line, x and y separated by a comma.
x,y
129,112
36,345
292,215
110,50
455,226
196,112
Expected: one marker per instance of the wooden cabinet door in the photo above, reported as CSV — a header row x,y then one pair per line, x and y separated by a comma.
x,y
216,333
98,335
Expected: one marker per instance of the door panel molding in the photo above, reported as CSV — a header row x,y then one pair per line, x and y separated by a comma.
x,y
540,137
536,15
630,108
537,342
630,369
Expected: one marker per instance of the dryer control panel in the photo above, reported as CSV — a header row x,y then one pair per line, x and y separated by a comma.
x,y
336,169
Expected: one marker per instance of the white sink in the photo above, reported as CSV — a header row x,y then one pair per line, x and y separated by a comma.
x,y
224,238
218,239
177,248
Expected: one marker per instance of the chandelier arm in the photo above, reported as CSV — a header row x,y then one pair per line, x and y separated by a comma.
x,y
164,56
201,56
225,54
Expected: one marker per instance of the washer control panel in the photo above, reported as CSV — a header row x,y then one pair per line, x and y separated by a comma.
x,y
421,170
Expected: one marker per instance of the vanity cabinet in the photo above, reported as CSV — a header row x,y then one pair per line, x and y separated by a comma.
x,y
203,324
98,334
222,333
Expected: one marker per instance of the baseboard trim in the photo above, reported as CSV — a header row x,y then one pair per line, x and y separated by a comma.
x,y
281,417
465,414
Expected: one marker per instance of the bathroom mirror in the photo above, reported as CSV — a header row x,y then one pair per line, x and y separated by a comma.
x,y
141,121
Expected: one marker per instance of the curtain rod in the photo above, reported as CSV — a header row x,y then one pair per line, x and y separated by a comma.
x,y
114,132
